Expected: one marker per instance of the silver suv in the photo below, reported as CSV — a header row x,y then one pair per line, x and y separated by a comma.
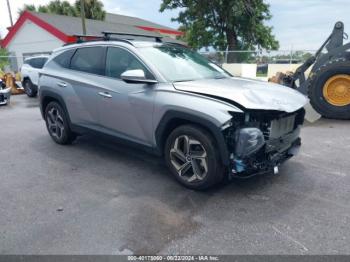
x,y
170,100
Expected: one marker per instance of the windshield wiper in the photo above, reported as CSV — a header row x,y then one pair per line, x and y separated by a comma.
x,y
186,80
220,77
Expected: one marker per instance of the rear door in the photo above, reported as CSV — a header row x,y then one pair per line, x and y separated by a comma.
x,y
87,69
76,75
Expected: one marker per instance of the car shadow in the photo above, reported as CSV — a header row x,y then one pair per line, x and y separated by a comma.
x,y
147,175
162,206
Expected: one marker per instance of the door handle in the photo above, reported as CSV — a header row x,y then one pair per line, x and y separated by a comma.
x,y
105,94
62,84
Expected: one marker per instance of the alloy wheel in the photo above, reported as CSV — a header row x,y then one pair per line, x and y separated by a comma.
x,y
189,158
55,123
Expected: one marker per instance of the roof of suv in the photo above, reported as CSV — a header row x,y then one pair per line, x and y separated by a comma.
x,y
135,43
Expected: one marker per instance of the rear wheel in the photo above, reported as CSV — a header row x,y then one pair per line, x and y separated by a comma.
x,y
29,88
192,156
329,90
57,124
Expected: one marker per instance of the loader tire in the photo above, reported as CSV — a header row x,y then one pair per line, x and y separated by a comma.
x,y
329,89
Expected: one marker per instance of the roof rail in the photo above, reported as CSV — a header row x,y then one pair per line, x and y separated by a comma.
x,y
94,38
107,36
84,38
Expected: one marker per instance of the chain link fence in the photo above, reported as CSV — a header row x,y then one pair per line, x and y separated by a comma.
x,y
267,63
11,63
262,59
259,57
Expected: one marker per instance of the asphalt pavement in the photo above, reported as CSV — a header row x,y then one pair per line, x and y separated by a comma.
x,y
99,197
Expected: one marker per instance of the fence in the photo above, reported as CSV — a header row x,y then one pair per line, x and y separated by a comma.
x,y
254,63
259,64
259,57
12,63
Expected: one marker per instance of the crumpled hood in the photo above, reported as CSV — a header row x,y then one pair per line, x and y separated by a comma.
x,y
251,94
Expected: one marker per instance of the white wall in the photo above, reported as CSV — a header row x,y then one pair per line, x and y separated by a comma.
x,y
31,38
274,68
249,70
243,70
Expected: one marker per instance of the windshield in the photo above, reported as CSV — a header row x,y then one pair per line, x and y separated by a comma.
x,y
179,64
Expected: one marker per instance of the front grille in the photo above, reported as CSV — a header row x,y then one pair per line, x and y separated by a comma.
x,y
275,124
2,98
282,126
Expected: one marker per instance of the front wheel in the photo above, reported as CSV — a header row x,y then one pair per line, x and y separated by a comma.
x,y
192,156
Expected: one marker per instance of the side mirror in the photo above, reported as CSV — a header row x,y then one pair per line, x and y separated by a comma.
x,y
136,76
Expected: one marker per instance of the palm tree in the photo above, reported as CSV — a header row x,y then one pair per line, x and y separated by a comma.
x,y
26,7
61,8
93,9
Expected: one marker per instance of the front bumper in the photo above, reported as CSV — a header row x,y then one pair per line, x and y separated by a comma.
x,y
5,95
271,155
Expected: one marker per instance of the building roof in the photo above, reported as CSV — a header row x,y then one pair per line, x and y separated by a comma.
x,y
65,27
135,21
72,25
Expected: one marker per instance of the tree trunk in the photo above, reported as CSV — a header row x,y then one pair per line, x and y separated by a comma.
x,y
232,45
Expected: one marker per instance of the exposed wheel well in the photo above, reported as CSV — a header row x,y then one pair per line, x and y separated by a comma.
x,y
173,124
170,126
46,100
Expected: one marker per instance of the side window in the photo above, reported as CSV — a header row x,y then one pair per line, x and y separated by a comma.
x,y
89,60
119,60
63,59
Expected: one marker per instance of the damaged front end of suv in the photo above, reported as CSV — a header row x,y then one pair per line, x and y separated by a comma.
x,y
259,141
262,129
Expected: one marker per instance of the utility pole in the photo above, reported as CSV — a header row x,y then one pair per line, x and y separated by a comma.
x,y
9,9
82,13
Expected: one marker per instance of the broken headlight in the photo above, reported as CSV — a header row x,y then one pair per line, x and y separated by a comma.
x,y
248,141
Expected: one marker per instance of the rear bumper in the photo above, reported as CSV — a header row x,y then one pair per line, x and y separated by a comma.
x,y
5,95
270,156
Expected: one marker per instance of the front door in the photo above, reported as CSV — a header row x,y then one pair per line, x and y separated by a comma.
x,y
126,109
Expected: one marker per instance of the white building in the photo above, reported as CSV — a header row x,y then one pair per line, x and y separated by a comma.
x,y
40,33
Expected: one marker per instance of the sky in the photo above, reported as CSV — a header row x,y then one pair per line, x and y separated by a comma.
x,y
297,24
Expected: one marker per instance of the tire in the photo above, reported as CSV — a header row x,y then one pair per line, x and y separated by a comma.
x,y
57,124
318,83
196,174
30,89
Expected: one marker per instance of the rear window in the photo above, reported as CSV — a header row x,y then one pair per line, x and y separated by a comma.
x,y
63,60
89,60
37,62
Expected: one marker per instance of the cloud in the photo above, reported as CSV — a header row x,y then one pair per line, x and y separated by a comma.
x,y
146,9
298,24
306,24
